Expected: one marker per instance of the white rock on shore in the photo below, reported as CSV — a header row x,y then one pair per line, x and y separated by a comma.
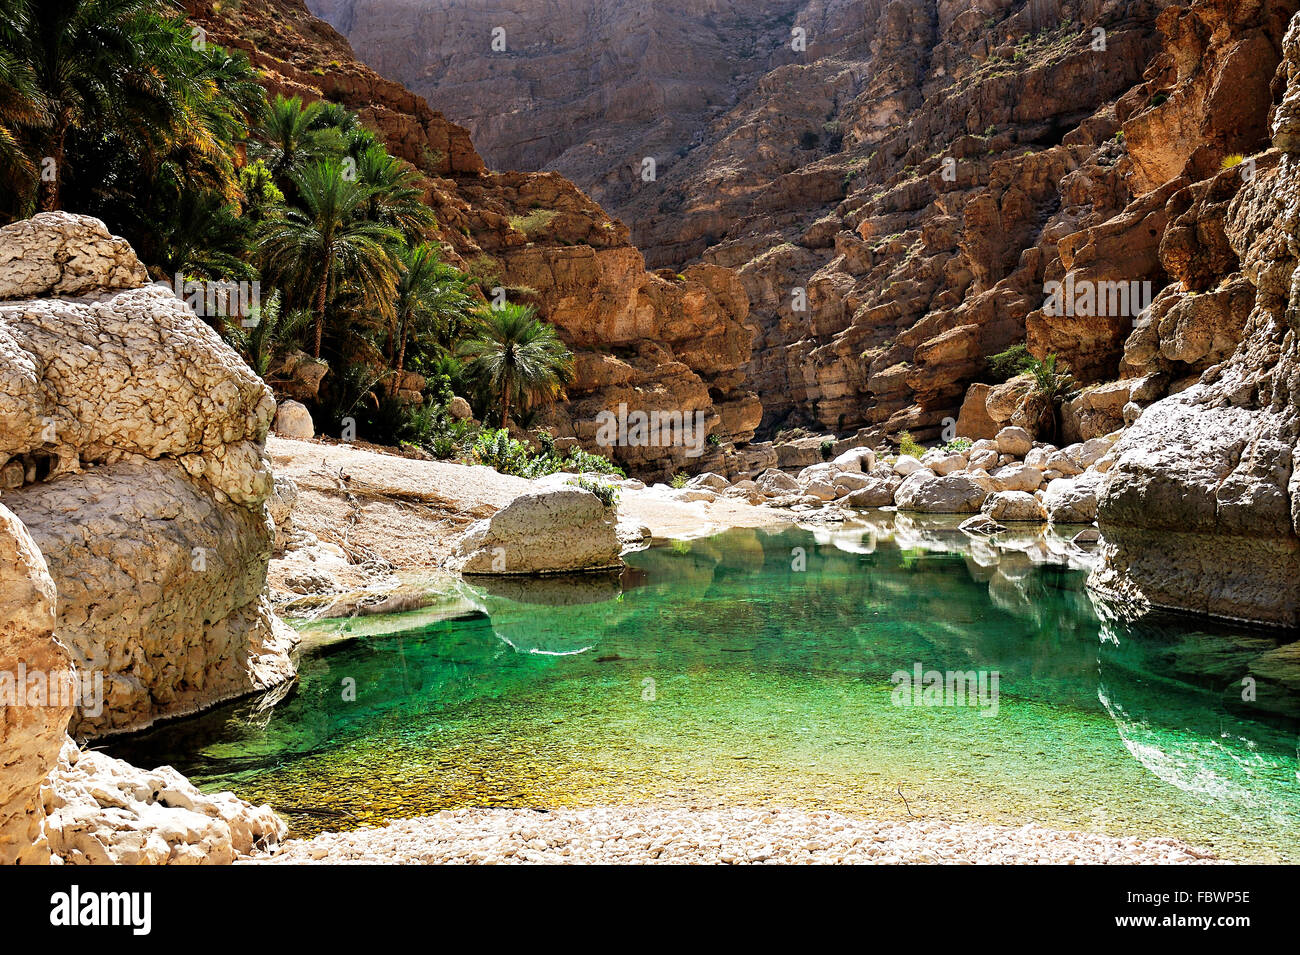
x,y
656,835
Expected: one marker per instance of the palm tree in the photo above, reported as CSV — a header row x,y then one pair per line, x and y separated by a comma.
x,y
430,294
518,357
288,137
271,332
94,64
395,198
327,242
1052,384
20,112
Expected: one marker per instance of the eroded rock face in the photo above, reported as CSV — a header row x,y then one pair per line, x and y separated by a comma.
x,y
564,530
30,734
135,437
1200,509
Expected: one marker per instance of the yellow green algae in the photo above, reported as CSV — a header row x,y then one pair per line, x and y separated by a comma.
x,y
755,668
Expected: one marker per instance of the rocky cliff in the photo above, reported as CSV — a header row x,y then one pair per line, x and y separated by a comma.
x,y
1202,507
654,342
134,541
899,195
130,436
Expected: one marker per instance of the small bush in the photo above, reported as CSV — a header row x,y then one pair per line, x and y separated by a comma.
x,y
827,450
679,479
908,445
501,452
958,445
607,493
1005,365
533,224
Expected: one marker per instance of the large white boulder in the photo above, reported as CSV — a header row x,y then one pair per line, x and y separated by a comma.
x,y
1073,500
293,420
563,530
1016,441
905,465
775,483
855,459
1017,477
929,493
1008,506
138,434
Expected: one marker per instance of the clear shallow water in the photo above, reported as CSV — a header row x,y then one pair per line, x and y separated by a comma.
x,y
719,672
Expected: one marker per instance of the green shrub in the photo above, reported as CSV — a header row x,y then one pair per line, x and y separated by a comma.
x,y
827,449
584,461
501,452
679,479
908,445
607,493
1005,365
957,445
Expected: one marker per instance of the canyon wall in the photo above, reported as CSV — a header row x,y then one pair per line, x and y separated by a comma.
x,y
897,195
1202,507
655,342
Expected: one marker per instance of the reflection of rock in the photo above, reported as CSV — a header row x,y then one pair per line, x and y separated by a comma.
x,y
1246,671
580,609
559,590
554,531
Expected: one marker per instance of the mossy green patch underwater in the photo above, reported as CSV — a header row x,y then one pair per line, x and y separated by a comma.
x,y
755,668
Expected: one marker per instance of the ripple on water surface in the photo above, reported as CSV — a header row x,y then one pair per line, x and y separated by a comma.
x,y
755,667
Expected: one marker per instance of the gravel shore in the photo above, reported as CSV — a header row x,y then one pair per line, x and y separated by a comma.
x,y
648,834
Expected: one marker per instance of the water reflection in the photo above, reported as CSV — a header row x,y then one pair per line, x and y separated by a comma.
x,y
781,642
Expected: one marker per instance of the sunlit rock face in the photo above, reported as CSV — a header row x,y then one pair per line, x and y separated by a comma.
x,y
896,182
32,729
131,448
1201,508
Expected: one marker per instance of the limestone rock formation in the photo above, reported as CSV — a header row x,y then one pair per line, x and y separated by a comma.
x,y
103,811
1201,507
33,715
899,195
135,438
564,530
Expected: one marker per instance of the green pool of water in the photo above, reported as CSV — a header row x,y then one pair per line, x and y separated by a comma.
x,y
755,668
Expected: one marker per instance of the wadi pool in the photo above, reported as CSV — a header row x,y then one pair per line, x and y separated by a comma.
x,y
755,668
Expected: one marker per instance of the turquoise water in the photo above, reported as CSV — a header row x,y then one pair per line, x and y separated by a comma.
x,y
755,668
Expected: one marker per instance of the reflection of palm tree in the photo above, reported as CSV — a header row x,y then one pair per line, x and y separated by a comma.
x,y
519,358
326,242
